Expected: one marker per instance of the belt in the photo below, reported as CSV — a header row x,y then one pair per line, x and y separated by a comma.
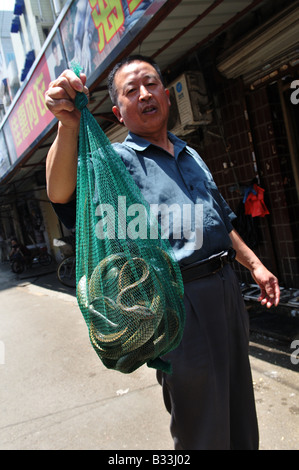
x,y
208,266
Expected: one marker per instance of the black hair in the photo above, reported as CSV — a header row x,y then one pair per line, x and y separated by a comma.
x,y
127,60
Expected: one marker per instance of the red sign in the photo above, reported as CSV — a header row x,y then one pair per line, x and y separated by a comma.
x,y
91,31
107,18
31,116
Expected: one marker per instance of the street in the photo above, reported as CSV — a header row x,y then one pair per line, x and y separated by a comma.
x,y
56,394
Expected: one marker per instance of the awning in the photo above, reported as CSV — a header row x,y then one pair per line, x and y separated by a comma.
x,y
180,27
267,49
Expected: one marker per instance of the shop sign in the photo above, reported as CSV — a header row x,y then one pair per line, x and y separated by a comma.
x,y
31,116
92,33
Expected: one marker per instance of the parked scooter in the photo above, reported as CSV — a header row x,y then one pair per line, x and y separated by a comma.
x,y
22,258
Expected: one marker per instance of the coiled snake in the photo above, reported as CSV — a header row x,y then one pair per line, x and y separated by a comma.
x,y
131,316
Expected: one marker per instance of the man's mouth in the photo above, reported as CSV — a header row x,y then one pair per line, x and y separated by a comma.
x,y
149,110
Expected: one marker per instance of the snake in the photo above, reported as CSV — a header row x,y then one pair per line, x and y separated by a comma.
x,y
130,316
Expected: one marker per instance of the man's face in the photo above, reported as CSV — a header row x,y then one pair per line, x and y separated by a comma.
x,y
142,101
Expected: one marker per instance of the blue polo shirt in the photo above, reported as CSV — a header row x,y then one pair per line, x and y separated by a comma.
x,y
182,195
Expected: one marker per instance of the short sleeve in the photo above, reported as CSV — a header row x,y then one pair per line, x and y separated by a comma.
x,y
66,213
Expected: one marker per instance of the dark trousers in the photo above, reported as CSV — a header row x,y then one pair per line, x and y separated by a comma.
x,y
210,392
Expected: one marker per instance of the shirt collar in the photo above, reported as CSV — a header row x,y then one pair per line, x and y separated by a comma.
x,y
140,144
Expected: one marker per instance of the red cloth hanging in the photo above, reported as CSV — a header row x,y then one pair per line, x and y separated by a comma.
x,y
254,204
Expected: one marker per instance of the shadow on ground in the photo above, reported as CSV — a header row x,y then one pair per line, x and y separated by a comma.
x,y
272,331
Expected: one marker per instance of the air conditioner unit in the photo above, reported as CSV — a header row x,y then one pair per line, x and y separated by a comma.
x,y
189,104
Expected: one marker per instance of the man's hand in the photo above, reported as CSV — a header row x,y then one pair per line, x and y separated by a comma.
x,y
60,98
268,283
61,165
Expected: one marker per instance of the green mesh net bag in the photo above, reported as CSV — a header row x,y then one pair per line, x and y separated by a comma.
x,y
129,287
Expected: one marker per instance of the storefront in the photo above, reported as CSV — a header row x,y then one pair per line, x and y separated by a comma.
x,y
265,67
230,78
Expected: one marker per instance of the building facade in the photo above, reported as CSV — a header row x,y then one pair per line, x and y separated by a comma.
x,y
232,70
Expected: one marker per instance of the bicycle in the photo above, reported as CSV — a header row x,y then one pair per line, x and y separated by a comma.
x,y
66,271
20,262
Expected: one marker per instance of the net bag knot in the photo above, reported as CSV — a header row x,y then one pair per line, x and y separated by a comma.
x,y
81,101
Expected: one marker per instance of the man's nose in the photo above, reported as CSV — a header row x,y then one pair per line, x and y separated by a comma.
x,y
144,94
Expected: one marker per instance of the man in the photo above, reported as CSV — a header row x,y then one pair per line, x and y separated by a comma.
x,y
209,393
19,251
59,63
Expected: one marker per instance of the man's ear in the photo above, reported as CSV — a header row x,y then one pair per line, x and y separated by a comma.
x,y
116,112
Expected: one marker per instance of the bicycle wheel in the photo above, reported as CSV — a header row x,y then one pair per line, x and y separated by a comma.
x,y
66,271
18,266
45,259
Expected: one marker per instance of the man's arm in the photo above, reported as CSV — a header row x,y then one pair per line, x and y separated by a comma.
x,y
61,165
268,283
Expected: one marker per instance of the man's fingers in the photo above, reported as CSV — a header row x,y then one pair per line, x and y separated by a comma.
x,y
62,91
66,86
276,294
270,294
63,85
57,105
69,82
273,291
83,78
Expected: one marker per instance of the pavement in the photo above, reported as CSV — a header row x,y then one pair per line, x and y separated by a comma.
x,y
56,395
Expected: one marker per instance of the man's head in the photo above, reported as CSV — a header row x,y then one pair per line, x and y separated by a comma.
x,y
127,60
140,100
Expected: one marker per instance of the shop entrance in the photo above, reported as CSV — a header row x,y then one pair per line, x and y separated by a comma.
x,y
274,120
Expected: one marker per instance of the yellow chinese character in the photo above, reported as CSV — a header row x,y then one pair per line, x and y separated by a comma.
x,y
15,127
108,17
40,88
23,121
31,109
133,4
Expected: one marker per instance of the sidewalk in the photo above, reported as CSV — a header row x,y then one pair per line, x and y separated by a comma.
x,y
55,393
281,323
